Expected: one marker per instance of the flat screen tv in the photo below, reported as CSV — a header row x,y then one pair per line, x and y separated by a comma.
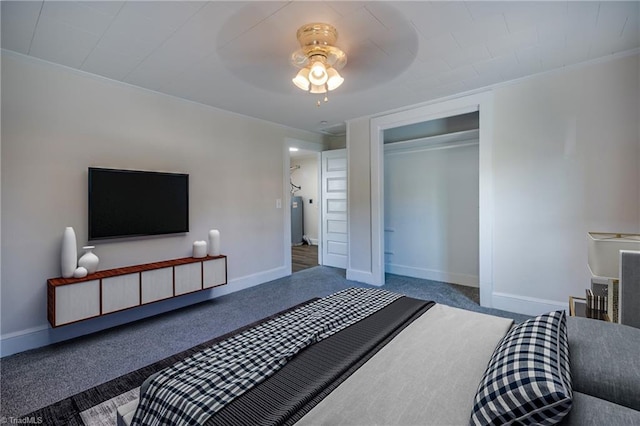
x,y
132,203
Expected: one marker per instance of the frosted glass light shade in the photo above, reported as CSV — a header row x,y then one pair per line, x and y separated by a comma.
x,y
318,89
318,74
335,79
302,79
604,252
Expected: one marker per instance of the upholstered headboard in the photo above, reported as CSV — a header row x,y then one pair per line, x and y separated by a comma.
x,y
630,288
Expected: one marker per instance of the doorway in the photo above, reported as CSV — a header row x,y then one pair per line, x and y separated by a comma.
x,y
304,208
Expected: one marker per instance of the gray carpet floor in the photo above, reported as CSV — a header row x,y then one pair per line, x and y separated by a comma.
x,y
37,378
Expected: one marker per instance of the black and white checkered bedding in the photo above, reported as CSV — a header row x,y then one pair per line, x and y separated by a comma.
x,y
192,390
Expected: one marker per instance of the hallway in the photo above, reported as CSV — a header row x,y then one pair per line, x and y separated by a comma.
x,y
303,256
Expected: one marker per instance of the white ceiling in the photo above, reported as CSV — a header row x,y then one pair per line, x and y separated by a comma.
x,y
235,55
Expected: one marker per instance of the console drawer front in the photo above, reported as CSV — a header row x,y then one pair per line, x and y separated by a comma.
x,y
120,292
77,302
157,285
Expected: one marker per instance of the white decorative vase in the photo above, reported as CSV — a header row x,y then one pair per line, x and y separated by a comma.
x,y
199,249
214,242
80,272
89,260
69,255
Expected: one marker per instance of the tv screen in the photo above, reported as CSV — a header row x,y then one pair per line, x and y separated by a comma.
x,y
129,203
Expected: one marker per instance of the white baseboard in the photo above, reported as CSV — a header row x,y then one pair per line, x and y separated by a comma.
x,y
250,281
12,343
362,277
20,341
433,275
526,305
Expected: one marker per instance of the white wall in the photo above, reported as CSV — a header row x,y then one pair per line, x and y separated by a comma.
x,y
57,122
565,163
566,160
336,142
431,211
307,178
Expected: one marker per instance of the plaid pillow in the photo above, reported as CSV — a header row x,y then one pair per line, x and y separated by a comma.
x,y
528,380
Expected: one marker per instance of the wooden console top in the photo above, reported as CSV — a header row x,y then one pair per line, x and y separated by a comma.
x,y
107,273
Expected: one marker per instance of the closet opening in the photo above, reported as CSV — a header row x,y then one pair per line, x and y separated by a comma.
x,y
482,103
431,201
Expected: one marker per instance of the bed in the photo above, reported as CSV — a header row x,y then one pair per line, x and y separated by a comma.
x,y
397,360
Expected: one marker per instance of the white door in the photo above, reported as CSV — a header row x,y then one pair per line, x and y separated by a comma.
x,y
334,208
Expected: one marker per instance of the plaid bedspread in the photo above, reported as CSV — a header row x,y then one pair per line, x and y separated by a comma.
x,y
192,390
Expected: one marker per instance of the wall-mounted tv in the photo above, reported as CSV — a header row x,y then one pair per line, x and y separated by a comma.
x,y
131,203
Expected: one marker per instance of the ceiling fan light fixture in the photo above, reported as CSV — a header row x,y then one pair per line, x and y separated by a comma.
x,y
318,59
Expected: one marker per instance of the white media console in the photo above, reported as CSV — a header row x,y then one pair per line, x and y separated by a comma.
x,y
75,299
